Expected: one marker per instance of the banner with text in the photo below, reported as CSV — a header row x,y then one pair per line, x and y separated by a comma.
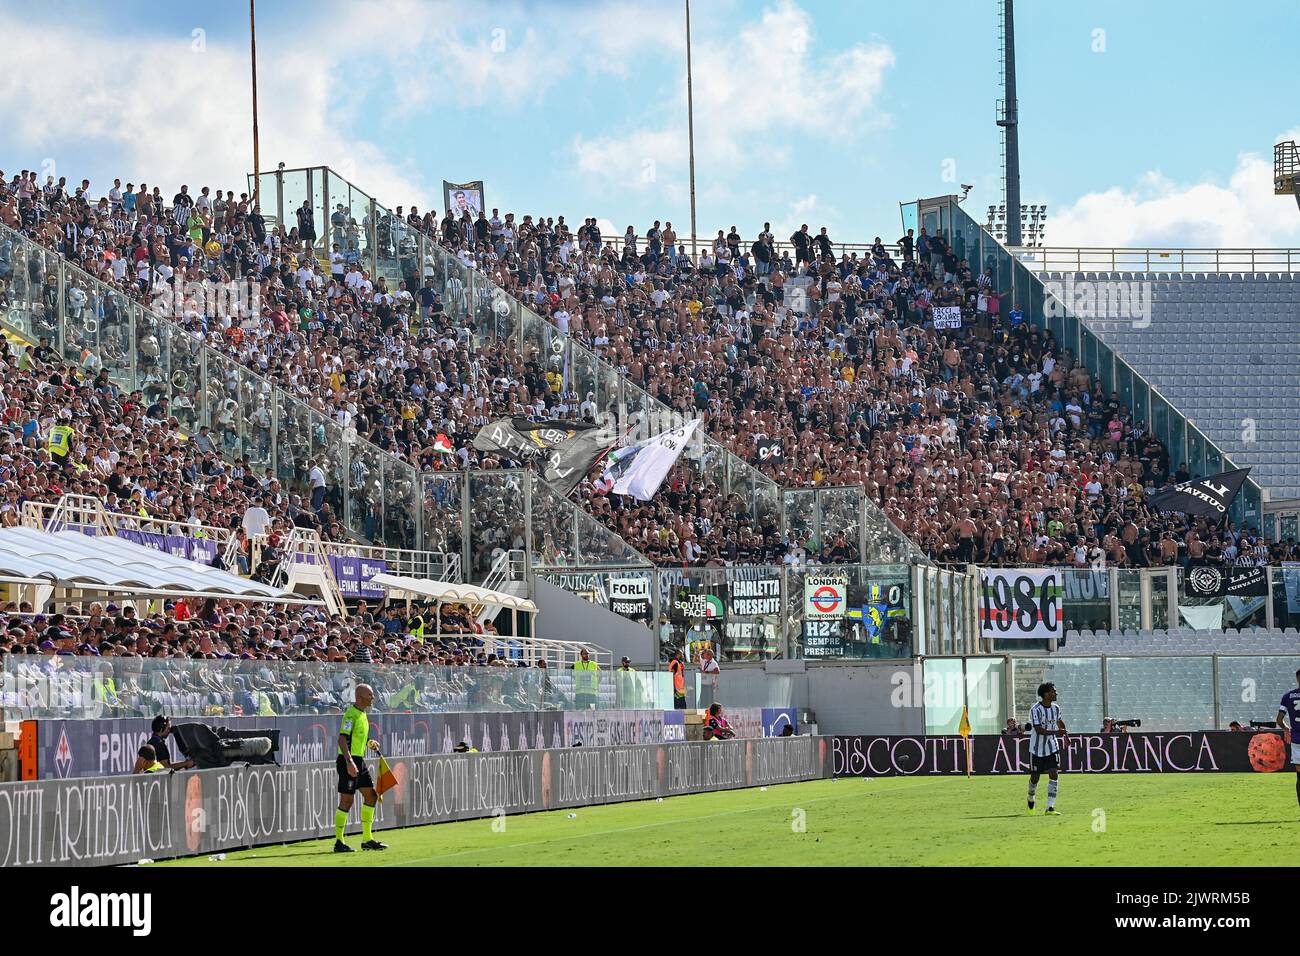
x,y
1021,603
825,596
947,316
101,747
126,819
1218,751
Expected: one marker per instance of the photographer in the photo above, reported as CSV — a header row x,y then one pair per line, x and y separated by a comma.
x,y
162,728
1112,726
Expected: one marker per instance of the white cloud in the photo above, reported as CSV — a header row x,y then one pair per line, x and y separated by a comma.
x,y
153,108
807,209
1241,212
752,92
509,55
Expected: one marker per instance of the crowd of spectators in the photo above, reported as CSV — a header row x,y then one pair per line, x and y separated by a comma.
x,y
987,443
227,657
132,456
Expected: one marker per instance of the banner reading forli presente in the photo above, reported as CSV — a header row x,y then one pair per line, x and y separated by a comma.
x,y
1215,751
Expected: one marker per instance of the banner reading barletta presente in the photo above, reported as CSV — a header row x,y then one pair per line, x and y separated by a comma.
x,y
1021,603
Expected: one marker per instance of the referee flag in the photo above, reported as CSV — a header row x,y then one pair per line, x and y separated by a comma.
x,y
387,779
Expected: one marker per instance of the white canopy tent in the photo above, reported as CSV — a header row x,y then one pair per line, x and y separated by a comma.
x,y
71,560
449,592
531,649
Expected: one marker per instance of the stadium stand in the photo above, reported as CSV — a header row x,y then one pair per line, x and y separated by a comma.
x,y
1184,641
1239,389
129,454
854,381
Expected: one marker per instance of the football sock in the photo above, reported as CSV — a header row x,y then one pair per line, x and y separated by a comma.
x,y
1033,788
367,818
340,824
1051,794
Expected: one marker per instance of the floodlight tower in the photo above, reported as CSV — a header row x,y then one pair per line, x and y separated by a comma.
x,y
1008,118
1286,170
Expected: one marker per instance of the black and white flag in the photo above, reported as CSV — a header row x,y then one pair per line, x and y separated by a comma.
x,y
525,439
1213,581
771,449
1205,497
570,461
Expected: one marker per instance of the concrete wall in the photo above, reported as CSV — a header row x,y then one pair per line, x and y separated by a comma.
x,y
563,616
878,697
874,698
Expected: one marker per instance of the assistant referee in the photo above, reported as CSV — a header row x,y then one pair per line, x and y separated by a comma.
x,y
354,734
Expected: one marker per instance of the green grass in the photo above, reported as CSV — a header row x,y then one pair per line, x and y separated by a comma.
x,y
1149,819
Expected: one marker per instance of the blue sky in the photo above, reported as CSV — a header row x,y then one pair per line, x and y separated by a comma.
x,y
1143,122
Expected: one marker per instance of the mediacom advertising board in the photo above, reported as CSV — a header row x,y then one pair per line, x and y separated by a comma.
x,y
99,748
1217,751
154,816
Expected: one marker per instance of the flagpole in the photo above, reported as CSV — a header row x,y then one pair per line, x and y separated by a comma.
x,y
690,129
252,51
606,452
965,714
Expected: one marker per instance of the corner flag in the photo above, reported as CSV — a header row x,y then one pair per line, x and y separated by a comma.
x,y
964,729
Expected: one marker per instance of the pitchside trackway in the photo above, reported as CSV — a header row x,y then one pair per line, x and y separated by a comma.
x,y
1219,819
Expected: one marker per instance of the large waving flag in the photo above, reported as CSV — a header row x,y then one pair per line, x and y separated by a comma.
x,y
521,438
638,470
570,461
1205,497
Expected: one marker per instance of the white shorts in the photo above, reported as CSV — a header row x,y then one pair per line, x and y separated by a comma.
x,y
1295,755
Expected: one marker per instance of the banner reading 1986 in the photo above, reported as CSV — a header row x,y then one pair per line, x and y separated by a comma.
x,y
1021,603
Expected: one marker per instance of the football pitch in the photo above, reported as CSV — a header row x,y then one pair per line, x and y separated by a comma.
x,y
1106,820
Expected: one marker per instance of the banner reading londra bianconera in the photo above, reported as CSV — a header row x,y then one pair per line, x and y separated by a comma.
x,y
113,820
1021,603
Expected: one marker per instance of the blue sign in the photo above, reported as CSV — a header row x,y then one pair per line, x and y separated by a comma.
x,y
674,725
776,719
354,574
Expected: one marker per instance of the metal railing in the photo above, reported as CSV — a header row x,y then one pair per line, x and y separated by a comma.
x,y
1023,287
85,513
1157,259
